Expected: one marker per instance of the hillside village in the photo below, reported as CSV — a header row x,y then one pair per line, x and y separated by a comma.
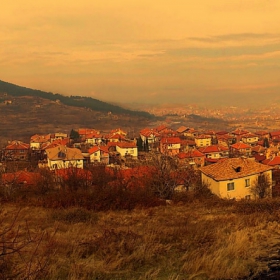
x,y
229,162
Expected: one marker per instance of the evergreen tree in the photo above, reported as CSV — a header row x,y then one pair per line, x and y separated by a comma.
x,y
265,142
74,135
146,145
140,144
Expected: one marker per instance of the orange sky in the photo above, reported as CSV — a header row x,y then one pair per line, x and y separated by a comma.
x,y
141,51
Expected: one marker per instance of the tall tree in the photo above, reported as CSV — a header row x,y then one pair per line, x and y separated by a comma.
x,y
265,142
146,146
140,144
74,135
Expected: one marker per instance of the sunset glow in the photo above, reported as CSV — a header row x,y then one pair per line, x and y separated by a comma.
x,y
142,51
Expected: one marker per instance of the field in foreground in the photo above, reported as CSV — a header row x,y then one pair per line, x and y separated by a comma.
x,y
209,239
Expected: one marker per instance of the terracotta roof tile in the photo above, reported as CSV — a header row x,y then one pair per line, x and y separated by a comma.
x,y
233,168
170,140
213,149
126,145
182,129
272,162
17,145
62,152
190,154
240,145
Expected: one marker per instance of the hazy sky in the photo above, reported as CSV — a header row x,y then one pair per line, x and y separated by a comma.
x,y
132,50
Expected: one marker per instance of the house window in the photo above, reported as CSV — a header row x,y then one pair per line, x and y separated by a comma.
x,y
132,151
230,186
247,183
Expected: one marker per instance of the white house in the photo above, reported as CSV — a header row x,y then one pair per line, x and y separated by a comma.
x,y
215,152
234,177
170,145
127,149
37,140
63,157
250,138
93,138
99,154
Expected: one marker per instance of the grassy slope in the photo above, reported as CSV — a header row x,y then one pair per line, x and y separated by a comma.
x,y
76,101
195,240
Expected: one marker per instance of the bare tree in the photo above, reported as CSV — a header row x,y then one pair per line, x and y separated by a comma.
x,y
164,177
261,188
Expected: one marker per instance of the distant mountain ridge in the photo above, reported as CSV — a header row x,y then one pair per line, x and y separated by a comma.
x,y
76,101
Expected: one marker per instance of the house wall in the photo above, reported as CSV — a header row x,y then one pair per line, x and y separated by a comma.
x,y
213,155
60,164
35,145
250,140
196,161
95,157
16,154
203,142
240,190
170,149
91,141
127,151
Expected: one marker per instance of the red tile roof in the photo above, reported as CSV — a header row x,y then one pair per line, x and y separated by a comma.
x,y
170,140
258,149
259,158
55,143
275,133
203,136
233,168
98,148
93,135
40,138
126,145
273,161
249,135
17,145
182,129
240,145
149,132
114,136
93,150
213,149
190,154
112,144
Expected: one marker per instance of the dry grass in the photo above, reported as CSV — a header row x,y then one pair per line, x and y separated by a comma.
x,y
197,240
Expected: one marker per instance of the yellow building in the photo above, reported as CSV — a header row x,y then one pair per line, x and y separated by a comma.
x,y
235,178
203,141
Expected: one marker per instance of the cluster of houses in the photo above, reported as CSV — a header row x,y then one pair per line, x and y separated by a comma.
x,y
230,162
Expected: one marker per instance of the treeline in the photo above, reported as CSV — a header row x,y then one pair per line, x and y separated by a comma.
x,y
77,101
100,188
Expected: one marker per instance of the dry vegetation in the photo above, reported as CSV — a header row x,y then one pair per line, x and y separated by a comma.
x,y
191,239
114,228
